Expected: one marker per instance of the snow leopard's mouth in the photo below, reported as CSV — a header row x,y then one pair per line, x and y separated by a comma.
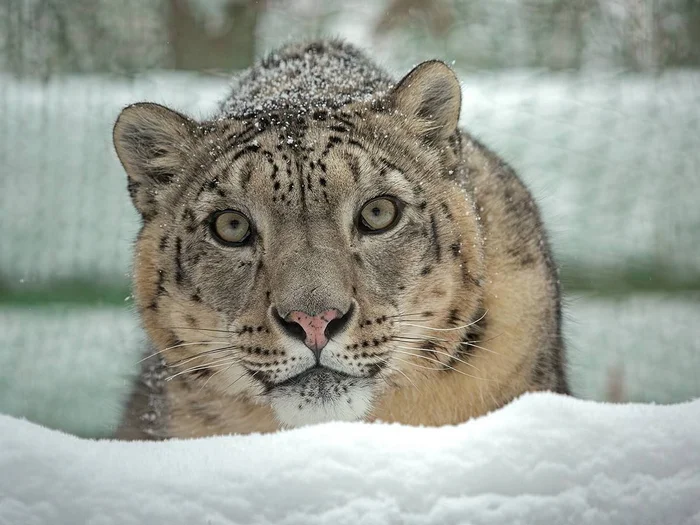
x,y
320,394
319,375
319,381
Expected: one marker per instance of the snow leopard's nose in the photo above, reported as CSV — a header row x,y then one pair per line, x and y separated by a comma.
x,y
314,330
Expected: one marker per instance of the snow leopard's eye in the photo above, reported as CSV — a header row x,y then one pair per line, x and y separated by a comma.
x,y
379,215
230,227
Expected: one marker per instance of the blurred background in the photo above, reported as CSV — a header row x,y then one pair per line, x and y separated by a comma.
x,y
596,103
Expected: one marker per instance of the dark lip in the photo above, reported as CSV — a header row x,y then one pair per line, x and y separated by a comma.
x,y
295,380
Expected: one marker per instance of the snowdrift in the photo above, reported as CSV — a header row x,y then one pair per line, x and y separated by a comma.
x,y
542,459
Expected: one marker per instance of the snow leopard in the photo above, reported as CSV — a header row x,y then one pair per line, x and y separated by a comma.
x,y
330,245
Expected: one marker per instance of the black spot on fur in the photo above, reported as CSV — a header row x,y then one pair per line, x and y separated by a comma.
x,y
522,255
446,211
456,249
133,187
190,220
453,317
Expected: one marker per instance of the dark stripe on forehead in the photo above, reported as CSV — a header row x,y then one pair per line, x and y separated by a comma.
x,y
333,141
302,189
252,148
390,165
435,238
354,165
179,272
384,162
189,219
344,118
208,185
249,133
246,173
357,144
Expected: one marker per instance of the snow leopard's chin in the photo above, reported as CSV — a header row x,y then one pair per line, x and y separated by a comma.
x,y
321,395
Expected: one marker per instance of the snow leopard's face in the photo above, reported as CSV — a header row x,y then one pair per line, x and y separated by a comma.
x,y
296,261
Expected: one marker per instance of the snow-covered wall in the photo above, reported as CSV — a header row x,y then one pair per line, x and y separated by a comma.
x,y
543,459
613,159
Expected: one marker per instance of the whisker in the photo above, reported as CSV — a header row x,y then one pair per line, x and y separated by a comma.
x,y
197,329
199,355
403,339
448,329
442,353
181,345
480,347
440,363
217,372
402,373
416,365
404,315
213,364
243,374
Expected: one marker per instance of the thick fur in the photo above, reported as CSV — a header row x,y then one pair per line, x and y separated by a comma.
x,y
452,313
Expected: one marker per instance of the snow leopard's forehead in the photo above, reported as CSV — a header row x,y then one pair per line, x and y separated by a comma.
x,y
310,166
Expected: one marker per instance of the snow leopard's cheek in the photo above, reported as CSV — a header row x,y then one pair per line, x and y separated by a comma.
x,y
224,279
387,267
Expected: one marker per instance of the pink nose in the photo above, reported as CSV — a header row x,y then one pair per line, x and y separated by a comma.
x,y
314,327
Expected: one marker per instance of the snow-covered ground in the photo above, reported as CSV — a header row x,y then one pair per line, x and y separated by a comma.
x,y
613,159
542,459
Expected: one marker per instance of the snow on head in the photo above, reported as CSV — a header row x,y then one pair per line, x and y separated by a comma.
x,y
304,77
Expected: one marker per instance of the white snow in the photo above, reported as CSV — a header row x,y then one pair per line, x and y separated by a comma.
x,y
543,459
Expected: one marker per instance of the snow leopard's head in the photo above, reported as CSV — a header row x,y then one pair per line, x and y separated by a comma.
x,y
295,258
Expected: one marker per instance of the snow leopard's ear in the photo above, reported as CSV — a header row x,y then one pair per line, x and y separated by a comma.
x,y
152,143
429,98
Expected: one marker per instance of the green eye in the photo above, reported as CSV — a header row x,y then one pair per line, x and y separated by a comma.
x,y
230,227
379,215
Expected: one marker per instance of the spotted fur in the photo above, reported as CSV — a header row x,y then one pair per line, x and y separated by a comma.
x,y
450,314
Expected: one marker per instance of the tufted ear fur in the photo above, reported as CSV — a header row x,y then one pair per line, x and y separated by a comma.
x,y
430,97
152,143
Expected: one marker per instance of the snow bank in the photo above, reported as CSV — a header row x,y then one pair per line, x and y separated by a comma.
x,y
543,459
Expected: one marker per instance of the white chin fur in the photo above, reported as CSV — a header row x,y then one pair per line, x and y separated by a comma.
x,y
292,410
